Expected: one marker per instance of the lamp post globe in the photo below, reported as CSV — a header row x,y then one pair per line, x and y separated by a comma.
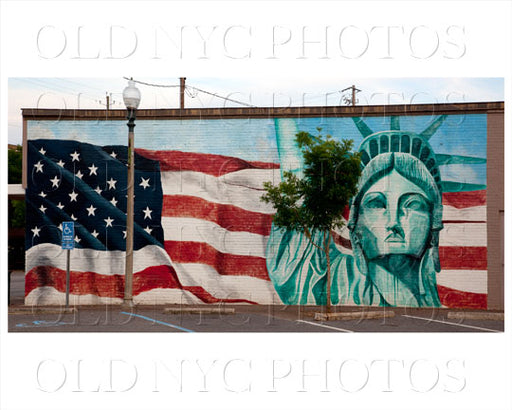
x,y
131,96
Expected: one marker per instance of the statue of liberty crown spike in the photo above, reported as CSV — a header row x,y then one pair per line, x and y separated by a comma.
x,y
395,140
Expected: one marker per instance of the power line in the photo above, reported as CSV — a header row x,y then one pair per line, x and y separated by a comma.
x,y
57,88
79,84
220,96
150,84
50,85
191,91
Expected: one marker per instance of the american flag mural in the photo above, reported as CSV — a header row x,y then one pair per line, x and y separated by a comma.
x,y
201,230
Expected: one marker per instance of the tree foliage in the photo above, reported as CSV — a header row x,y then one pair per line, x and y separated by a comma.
x,y
17,214
316,201
14,163
16,207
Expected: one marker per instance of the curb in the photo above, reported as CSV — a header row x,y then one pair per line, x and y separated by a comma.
x,y
200,311
477,315
353,315
49,310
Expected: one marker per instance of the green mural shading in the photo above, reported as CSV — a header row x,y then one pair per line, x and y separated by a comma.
x,y
394,226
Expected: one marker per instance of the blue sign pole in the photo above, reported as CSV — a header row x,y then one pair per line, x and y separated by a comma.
x,y
67,277
68,243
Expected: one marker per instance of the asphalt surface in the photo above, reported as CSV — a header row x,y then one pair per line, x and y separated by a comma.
x,y
246,318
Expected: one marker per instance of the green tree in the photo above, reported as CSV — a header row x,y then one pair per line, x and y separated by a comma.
x,y
16,207
15,158
316,201
16,212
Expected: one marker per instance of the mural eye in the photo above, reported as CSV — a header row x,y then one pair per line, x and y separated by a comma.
x,y
375,201
416,202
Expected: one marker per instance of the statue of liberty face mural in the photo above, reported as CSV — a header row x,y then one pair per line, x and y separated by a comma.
x,y
396,217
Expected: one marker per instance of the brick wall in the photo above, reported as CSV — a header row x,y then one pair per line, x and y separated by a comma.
x,y
184,130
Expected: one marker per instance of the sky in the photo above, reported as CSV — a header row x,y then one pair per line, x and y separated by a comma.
x,y
81,92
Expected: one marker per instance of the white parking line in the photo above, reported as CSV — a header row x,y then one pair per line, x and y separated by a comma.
x,y
339,329
159,322
453,324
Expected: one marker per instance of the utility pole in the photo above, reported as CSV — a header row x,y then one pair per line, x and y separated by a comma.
x,y
107,103
182,92
353,100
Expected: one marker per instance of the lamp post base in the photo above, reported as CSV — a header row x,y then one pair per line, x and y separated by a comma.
x,y
128,303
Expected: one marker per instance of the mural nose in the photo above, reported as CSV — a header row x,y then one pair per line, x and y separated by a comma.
x,y
393,222
396,229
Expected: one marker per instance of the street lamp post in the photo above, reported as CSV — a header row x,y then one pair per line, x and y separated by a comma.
x,y
131,98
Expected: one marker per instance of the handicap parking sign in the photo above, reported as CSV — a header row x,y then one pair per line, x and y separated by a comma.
x,y
68,235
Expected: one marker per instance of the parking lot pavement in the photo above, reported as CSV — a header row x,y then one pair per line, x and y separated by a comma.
x,y
244,319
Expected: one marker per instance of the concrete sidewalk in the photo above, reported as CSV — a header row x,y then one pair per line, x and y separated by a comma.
x,y
17,288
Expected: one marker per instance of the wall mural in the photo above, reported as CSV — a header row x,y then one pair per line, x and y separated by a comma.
x,y
415,233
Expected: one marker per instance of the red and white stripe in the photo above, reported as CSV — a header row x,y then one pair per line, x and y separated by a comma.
x,y
97,277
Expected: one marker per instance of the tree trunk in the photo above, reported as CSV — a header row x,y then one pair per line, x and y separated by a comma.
x,y
327,242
